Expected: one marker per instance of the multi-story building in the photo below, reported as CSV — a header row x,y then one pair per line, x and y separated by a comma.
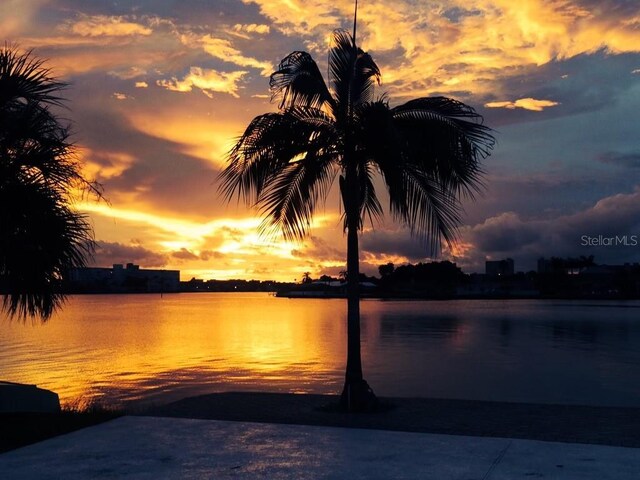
x,y
122,279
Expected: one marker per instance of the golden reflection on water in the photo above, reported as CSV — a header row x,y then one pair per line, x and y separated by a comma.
x,y
128,347
141,349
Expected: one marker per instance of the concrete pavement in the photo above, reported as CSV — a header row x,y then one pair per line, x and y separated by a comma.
x,y
176,448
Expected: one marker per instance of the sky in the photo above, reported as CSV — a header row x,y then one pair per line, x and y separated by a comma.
x,y
160,89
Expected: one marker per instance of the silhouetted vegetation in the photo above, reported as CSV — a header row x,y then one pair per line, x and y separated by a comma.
x,y
435,279
41,236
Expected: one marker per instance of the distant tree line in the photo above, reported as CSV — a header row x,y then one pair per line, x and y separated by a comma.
x,y
437,279
569,277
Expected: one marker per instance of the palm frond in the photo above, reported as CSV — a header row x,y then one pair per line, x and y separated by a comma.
x,y
456,115
352,72
284,164
375,132
342,56
24,78
367,76
265,147
269,144
289,202
447,138
369,203
423,204
38,248
424,164
298,82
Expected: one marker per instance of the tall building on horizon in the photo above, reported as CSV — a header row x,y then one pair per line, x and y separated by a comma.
x,y
499,268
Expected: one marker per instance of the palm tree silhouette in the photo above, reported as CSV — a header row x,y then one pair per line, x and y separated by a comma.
x,y
426,152
41,236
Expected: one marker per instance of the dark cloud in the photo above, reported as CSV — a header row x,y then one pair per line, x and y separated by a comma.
x,y
456,14
394,242
184,254
578,84
454,68
209,254
508,235
564,149
614,9
187,255
551,192
315,248
335,271
108,253
504,233
628,160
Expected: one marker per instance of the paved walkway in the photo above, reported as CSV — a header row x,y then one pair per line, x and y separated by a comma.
x,y
176,448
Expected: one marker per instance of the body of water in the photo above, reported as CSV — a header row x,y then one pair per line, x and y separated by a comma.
x,y
142,349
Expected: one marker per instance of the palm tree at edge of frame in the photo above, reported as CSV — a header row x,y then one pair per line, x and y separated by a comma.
x,y
42,236
426,151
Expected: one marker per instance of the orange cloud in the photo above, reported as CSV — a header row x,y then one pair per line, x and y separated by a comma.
x,y
200,136
207,80
126,47
302,16
224,50
524,103
242,29
486,39
110,26
104,165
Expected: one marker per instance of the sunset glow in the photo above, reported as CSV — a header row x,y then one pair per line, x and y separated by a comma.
x,y
159,93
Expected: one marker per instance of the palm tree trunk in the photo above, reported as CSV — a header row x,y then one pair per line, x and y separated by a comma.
x,y
356,394
354,361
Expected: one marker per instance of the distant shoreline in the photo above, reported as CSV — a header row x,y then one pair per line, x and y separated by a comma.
x,y
292,295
